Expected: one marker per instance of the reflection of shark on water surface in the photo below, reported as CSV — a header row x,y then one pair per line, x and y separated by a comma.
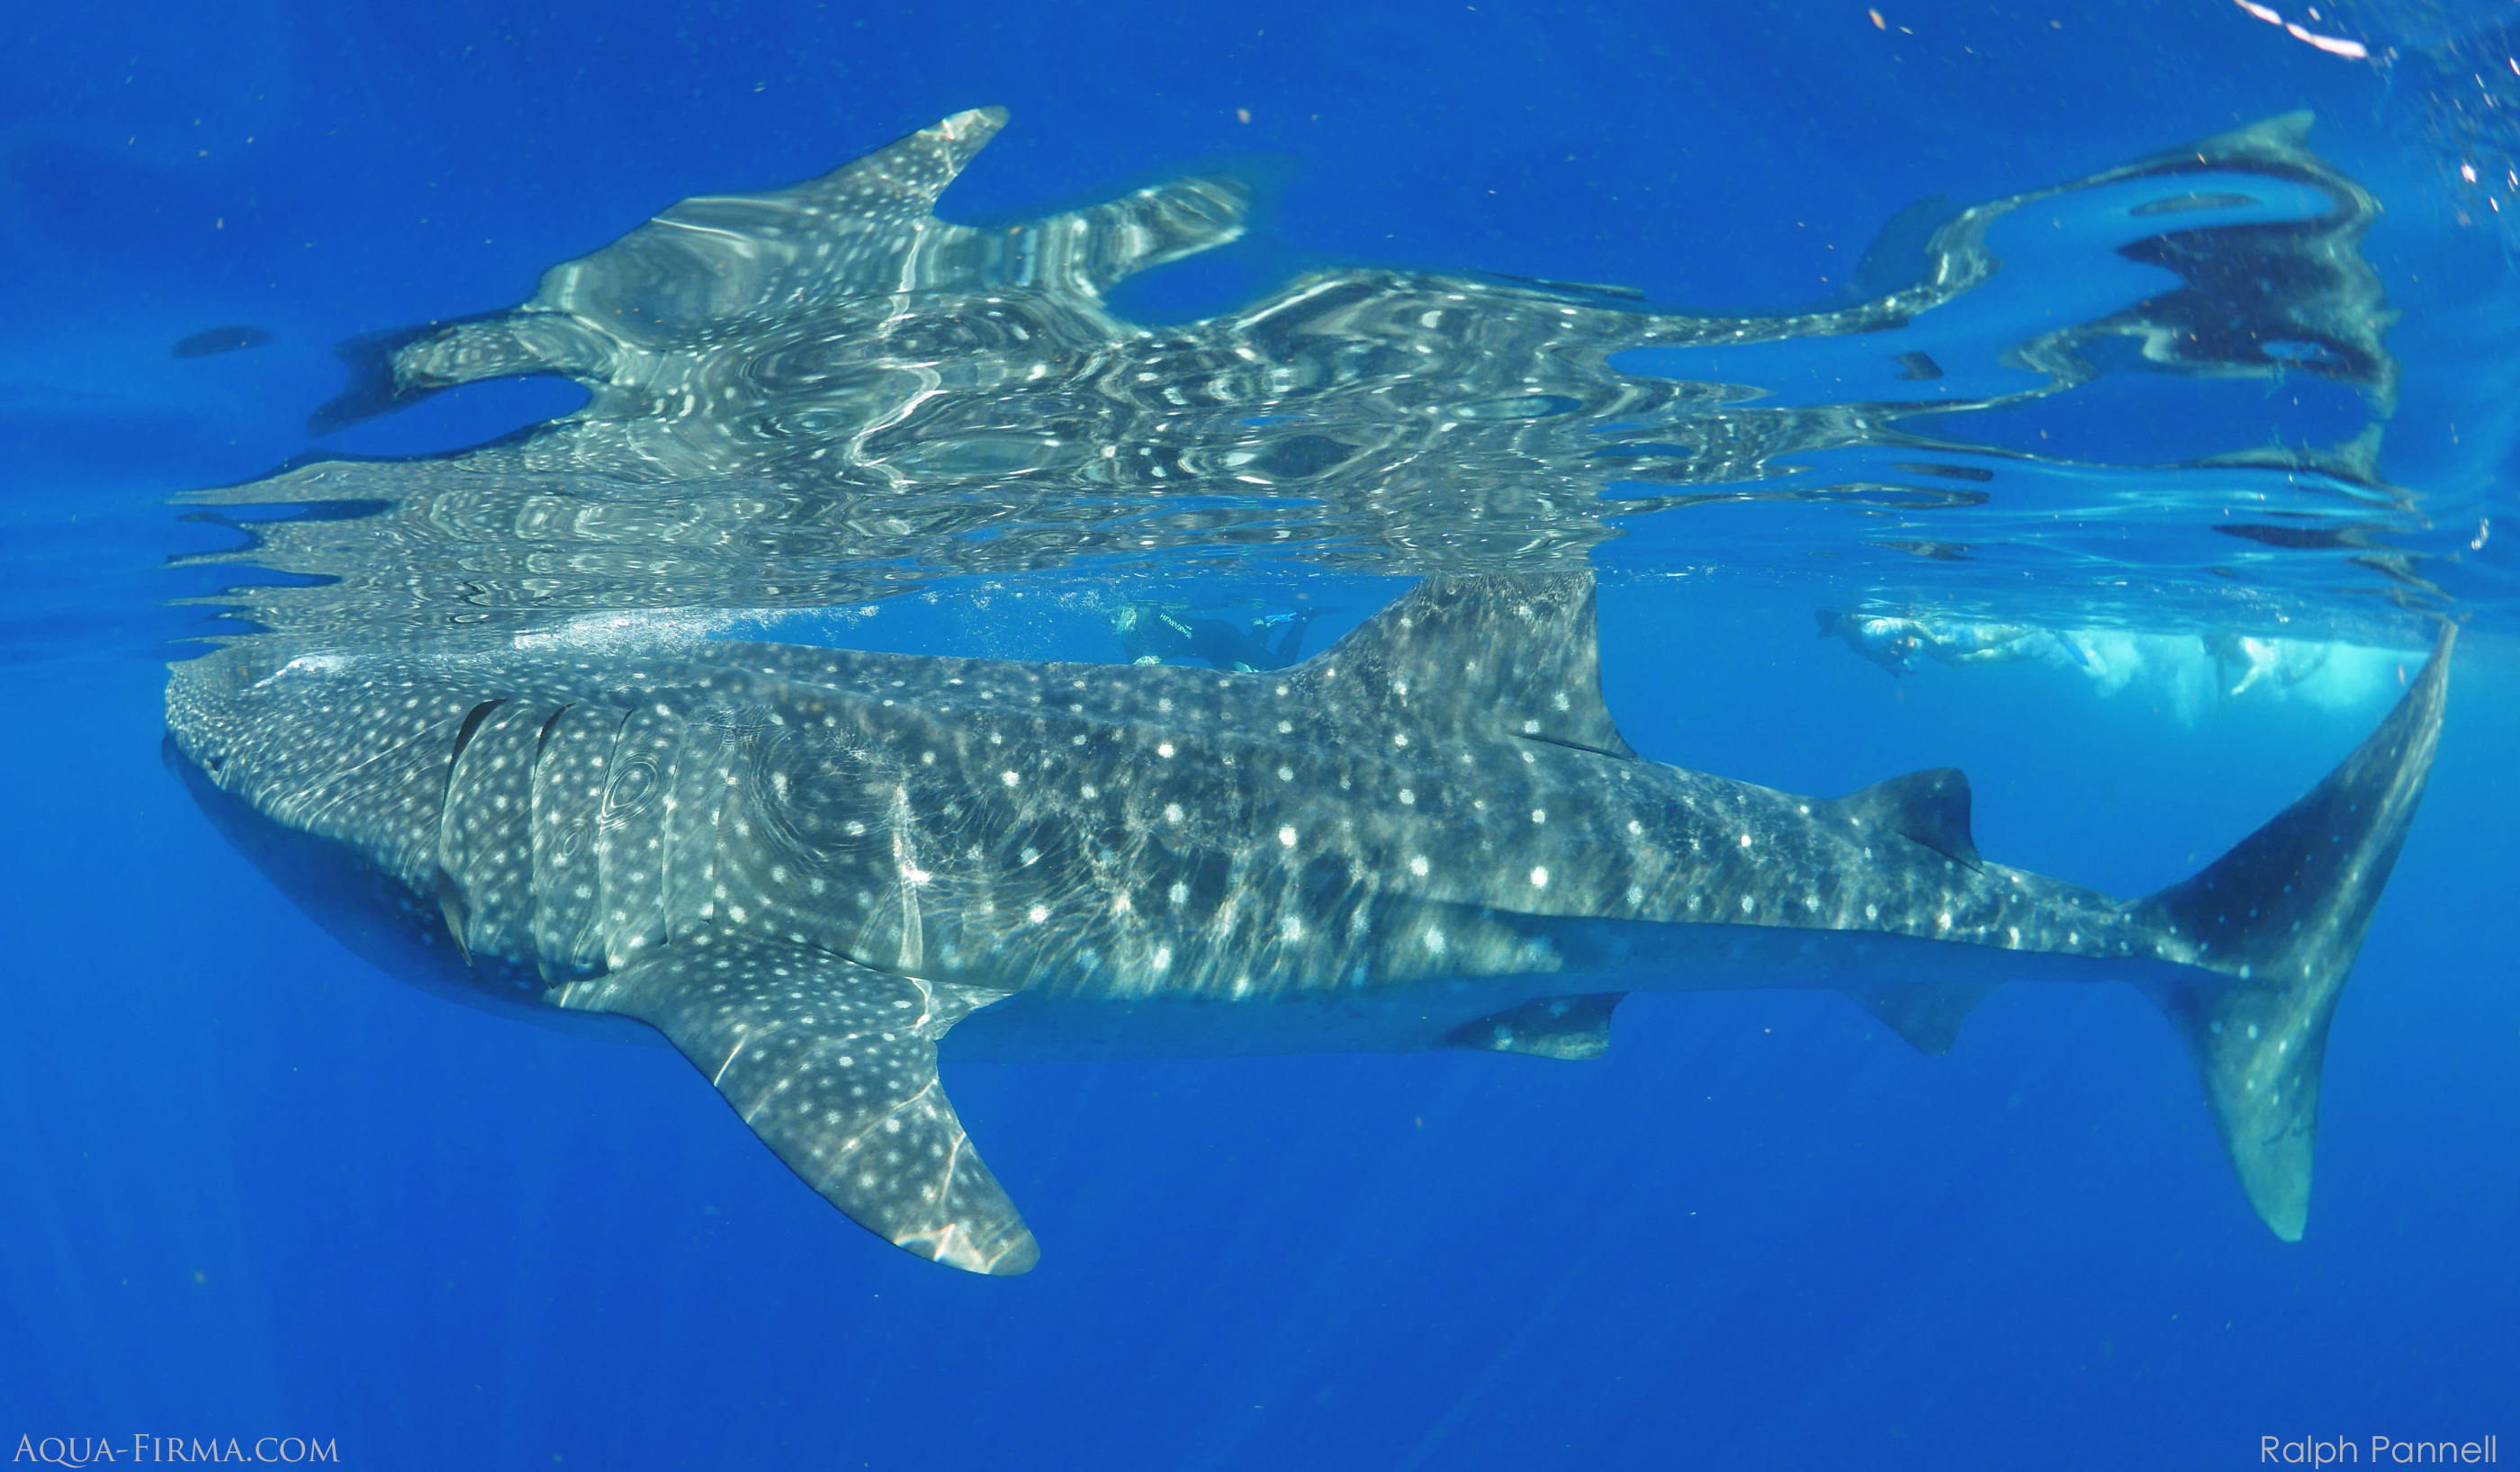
x,y
827,393
809,867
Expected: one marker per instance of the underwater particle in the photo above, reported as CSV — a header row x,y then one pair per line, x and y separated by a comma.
x,y
211,341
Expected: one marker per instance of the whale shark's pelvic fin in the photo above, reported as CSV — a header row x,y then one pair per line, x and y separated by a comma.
x,y
2282,915
834,1065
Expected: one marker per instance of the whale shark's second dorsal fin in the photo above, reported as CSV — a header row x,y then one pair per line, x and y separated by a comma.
x,y
1481,658
1929,807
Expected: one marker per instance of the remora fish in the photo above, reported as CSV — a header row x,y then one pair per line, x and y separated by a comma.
x,y
808,867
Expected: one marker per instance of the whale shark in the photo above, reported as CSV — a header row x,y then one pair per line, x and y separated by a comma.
x,y
816,873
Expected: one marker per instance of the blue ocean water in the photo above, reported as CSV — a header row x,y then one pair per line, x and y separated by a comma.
x,y
255,1189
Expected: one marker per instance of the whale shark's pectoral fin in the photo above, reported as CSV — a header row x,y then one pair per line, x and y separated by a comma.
x,y
1929,1017
834,1065
867,226
1545,1027
866,231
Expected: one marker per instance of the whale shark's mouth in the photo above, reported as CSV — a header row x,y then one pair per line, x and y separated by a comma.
x,y
825,396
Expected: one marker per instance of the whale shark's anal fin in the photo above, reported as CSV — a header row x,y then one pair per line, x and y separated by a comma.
x,y
1929,1017
834,1065
2281,917
1545,1027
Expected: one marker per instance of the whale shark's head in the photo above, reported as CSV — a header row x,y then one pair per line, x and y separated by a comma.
x,y
377,914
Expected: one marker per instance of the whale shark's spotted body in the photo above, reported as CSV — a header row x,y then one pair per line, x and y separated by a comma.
x,y
808,867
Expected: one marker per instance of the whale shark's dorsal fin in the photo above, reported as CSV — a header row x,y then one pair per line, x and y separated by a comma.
x,y
1483,657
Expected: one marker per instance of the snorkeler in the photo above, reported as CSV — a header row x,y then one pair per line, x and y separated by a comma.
x,y
1894,644
1160,633
1890,643
2241,662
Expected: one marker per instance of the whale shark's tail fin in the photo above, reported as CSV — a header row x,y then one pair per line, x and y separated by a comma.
x,y
2282,916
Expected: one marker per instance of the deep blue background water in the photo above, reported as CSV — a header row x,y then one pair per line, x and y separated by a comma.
x,y
252,1187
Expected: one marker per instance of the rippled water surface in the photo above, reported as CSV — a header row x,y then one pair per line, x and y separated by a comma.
x,y
829,394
